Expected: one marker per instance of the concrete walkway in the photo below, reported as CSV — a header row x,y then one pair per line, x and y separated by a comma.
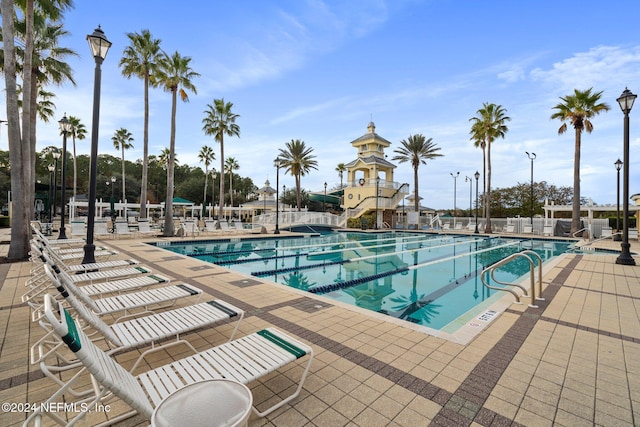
x,y
573,361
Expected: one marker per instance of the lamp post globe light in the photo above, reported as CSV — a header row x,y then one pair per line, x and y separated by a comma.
x,y
65,128
626,103
532,157
477,176
455,180
616,236
99,47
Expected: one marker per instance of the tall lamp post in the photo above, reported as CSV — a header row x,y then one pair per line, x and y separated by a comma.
x,y
467,179
56,156
616,236
377,186
324,201
455,181
65,127
277,161
99,47
52,169
626,103
477,176
532,157
112,203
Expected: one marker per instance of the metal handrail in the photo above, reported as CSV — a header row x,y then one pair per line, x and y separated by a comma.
x,y
527,255
611,236
581,230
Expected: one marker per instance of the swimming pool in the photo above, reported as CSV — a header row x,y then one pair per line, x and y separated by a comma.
x,y
426,279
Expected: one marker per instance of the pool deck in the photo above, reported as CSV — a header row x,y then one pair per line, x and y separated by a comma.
x,y
573,361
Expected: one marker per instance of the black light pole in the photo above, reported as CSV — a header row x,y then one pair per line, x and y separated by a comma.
x,y
617,237
56,156
455,181
65,127
477,176
324,201
52,169
532,157
99,47
112,204
466,178
277,161
377,186
626,103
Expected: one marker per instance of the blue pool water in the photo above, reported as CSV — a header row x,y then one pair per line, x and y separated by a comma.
x,y
427,279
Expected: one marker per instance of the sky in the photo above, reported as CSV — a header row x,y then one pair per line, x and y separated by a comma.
x,y
321,70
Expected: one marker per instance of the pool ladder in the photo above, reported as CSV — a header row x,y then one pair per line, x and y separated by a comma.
x,y
529,256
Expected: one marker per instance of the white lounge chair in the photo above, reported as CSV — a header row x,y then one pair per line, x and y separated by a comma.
x,y
124,285
527,229
126,302
244,360
190,227
134,333
78,228
122,230
144,228
100,229
210,226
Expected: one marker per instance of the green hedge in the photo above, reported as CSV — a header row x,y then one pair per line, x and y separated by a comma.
x,y
4,221
364,222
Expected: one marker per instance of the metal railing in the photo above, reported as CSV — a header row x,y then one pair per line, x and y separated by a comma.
x,y
529,256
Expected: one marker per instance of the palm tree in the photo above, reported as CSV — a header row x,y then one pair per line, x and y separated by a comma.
x,y
206,155
79,132
297,161
578,109
122,140
341,169
416,149
139,59
488,126
22,144
163,159
219,121
174,75
230,165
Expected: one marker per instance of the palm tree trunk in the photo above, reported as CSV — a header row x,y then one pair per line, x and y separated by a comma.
x,y
487,225
75,170
416,202
168,215
231,188
28,110
298,197
145,151
575,212
206,179
123,176
221,195
484,179
20,231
